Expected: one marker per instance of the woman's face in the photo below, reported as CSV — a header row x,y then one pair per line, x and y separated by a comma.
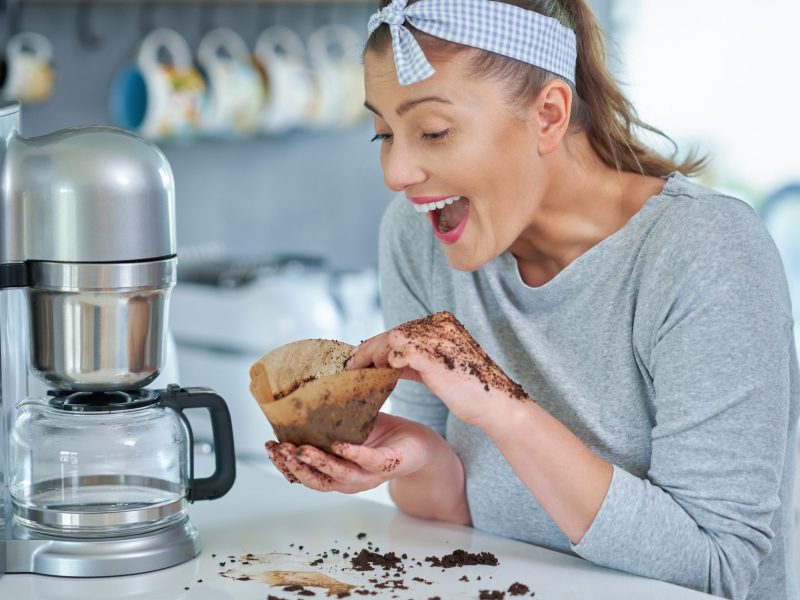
x,y
457,150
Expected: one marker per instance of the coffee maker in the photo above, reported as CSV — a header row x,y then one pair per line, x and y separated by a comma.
x,y
97,470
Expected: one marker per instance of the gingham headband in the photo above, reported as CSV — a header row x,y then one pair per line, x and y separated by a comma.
x,y
494,26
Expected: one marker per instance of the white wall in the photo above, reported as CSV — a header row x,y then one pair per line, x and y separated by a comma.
x,y
724,74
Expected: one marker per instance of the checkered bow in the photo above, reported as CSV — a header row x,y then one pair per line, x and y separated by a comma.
x,y
494,26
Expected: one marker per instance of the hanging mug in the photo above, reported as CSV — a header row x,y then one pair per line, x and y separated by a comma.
x,y
235,92
26,73
159,98
335,55
281,56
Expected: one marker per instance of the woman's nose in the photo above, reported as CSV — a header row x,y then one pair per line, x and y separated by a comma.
x,y
400,170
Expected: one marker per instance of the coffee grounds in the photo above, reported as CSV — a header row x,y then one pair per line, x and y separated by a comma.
x,y
294,387
492,595
518,589
460,558
456,348
366,559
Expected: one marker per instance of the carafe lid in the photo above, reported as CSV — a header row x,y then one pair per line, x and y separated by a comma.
x,y
101,401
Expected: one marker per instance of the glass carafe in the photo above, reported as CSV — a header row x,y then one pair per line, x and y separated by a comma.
x,y
98,464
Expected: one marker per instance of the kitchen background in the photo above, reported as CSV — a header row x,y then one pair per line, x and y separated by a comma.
x,y
277,229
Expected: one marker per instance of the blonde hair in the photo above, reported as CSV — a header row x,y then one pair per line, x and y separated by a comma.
x,y
599,107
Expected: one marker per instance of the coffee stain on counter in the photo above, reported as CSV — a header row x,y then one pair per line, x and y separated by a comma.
x,y
250,567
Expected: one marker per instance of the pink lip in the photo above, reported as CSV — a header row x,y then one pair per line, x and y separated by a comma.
x,y
452,236
427,199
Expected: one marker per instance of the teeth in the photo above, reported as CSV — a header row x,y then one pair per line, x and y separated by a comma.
x,y
439,204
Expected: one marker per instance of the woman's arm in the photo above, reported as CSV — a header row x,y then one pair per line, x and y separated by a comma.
x,y
567,479
437,490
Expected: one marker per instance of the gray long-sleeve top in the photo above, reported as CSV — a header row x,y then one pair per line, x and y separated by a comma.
x,y
667,349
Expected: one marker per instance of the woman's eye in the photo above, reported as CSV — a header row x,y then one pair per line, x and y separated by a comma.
x,y
436,135
381,136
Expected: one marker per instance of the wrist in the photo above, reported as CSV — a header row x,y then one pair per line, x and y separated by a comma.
x,y
505,412
436,490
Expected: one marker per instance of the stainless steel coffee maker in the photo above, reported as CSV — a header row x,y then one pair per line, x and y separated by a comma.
x,y
97,469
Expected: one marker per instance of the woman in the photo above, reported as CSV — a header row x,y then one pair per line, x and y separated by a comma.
x,y
624,385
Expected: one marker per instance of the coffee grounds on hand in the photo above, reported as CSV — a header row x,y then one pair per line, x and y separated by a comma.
x,y
492,595
460,558
456,348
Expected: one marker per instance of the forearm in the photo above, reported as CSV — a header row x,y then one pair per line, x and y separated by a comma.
x,y
437,490
567,479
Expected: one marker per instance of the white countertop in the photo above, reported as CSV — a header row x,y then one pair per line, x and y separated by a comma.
x,y
263,515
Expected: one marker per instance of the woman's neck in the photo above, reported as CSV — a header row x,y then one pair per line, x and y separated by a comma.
x,y
583,202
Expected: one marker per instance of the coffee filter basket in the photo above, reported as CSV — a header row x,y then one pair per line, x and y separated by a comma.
x,y
309,398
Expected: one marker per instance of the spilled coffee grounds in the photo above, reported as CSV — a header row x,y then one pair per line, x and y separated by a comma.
x,y
367,561
460,558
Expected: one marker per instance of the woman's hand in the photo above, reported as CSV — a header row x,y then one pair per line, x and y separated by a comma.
x,y
439,352
395,448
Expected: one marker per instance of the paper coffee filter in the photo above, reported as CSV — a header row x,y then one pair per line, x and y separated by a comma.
x,y
318,401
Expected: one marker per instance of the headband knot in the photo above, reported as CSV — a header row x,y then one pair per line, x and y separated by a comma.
x,y
497,27
394,12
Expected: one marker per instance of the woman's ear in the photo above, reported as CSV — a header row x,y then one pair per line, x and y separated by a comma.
x,y
550,114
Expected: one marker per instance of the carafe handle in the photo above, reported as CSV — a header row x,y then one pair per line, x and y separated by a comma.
x,y
217,485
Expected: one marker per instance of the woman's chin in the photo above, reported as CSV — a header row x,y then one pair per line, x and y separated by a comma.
x,y
460,260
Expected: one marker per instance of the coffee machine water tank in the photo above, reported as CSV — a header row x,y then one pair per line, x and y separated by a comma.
x,y
88,228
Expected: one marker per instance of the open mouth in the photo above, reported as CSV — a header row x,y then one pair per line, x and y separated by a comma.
x,y
448,217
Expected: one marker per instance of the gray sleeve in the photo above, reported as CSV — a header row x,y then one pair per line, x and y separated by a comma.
x,y
719,354
405,264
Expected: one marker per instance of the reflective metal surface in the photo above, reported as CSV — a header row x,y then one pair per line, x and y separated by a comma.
x,y
99,327
88,194
30,552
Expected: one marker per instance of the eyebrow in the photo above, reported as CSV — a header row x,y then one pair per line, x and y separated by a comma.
x,y
406,106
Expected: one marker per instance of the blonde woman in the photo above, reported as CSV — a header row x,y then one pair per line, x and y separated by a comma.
x,y
599,350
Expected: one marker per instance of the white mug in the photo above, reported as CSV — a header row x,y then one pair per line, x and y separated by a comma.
x,y
335,54
28,70
159,99
235,92
289,87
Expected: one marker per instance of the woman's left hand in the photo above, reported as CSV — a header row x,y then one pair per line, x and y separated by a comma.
x,y
439,352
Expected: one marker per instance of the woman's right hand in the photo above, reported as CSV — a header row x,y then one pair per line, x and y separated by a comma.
x,y
396,448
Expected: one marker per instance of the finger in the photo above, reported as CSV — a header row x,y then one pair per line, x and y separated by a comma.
x,y
339,469
429,356
362,355
373,460
277,459
308,475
